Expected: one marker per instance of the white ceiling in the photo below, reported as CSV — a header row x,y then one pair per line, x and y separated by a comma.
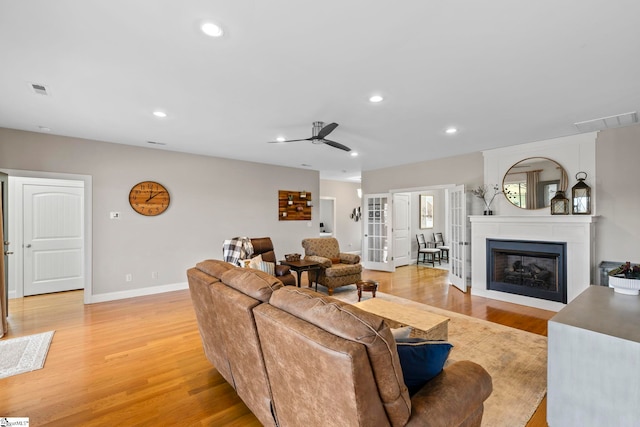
x,y
503,71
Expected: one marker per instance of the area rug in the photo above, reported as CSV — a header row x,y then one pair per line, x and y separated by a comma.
x,y
24,354
516,360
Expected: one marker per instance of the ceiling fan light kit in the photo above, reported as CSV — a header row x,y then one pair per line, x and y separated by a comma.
x,y
319,133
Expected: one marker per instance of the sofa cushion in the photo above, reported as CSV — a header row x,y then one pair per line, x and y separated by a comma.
x,y
214,267
268,267
354,324
421,360
259,264
338,270
254,283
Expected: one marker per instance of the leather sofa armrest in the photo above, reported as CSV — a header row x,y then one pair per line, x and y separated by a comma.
x,y
349,258
324,262
452,397
282,270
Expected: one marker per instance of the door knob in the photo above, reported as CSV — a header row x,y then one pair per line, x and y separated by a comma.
x,y
28,245
8,252
6,242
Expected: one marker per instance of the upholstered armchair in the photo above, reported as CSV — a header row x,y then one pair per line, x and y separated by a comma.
x,y
264,246
338,269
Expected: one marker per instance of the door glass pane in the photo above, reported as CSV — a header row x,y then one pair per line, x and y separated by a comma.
x,y
377,233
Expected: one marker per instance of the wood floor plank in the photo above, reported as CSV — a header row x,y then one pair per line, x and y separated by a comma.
x,y
140,361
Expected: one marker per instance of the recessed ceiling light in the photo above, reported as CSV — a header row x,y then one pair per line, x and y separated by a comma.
x,y
211,29
160,114
376,98
451,130
280,139
354,154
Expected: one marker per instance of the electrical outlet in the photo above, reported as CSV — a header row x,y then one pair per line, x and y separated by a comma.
x,y
128,277
114,215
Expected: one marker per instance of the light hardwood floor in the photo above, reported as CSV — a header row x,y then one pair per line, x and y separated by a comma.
x,y
139,361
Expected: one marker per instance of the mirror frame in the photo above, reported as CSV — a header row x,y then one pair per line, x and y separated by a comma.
x,y
562,182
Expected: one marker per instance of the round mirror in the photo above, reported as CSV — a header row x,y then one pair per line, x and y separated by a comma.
x,y
531,183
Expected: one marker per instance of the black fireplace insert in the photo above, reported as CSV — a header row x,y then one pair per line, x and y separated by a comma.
x,y
531,268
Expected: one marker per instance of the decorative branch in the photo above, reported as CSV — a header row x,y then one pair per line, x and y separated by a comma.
x,y
482,192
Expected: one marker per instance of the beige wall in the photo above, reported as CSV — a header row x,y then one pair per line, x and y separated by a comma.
x,y
348,232
212,199
618,175
465,169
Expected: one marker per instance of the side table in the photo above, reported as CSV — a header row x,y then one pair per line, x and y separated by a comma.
x,y
302,265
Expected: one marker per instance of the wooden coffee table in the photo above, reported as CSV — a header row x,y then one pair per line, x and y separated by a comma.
x,y
424,324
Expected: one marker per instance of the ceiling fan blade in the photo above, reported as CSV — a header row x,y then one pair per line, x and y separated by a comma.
x,y
326,130
336,145
290,140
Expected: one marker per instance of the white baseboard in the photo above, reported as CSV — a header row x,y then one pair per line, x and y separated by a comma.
x,y
112,296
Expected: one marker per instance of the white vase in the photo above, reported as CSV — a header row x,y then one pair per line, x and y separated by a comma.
x,y
624,286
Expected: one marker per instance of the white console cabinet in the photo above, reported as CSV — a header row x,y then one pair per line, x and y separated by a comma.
x,y
594,361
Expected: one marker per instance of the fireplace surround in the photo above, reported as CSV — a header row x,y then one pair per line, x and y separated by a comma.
x,y
576,231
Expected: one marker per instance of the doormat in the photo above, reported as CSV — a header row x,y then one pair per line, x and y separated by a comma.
x,y
24,354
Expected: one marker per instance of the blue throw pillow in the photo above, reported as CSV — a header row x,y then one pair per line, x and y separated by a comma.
x,y
421,360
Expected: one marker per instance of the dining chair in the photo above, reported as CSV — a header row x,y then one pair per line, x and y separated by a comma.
x,y
439,243
429,255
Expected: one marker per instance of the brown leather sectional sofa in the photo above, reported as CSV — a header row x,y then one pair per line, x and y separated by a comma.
x,y
300,358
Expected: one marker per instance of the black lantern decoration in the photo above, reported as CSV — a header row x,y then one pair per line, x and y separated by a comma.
x,y
559,204
581,196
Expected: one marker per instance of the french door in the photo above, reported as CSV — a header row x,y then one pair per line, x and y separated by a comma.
x,y
458,238
377,243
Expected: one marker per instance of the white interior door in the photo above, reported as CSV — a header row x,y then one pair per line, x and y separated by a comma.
x,y
377,242
458,238
401,229
53,238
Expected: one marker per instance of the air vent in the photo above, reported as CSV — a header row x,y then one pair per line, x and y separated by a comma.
x,y
40,89
156,143
625,119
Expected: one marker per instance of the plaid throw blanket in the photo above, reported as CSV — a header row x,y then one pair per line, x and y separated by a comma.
x,y
233,250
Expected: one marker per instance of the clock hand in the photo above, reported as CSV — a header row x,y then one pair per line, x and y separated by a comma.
x,y
153,195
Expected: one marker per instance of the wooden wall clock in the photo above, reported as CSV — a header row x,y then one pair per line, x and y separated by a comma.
x,y
149,198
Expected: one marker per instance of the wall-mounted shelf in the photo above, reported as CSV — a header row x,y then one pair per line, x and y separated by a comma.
x,y
294,205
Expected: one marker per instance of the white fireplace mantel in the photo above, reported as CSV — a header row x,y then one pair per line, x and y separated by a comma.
x,y
576,231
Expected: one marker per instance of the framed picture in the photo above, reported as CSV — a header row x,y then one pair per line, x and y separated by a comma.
x,y
426,211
